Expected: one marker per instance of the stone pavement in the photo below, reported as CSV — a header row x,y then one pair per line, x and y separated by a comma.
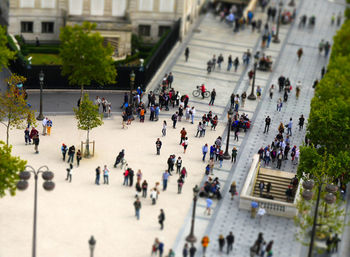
x,y
213,37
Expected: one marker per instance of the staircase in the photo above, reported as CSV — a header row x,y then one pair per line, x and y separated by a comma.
x,y
280,180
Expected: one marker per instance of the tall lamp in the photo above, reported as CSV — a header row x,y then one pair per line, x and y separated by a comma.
x,y
191,238
41,81
229,117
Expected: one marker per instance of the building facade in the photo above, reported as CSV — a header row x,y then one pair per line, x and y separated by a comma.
x,y
116,19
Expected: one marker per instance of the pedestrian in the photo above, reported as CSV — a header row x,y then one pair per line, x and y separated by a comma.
x,y
79,156
236,63
71,152
269,249
236,133
161,219
183,134
174,119
64,150
178,165
234,155
289,128
44,123
268,187
144,188
105,175
164,129
187,53
339,17
199,129
243,97
137,205
261,187
221,157
98,172
212,97
69,172
335,242
154,195
209,203
158,146
230,239
26,136
258,92
261,213
301,122
326,49
205,242
185,250
192,113
49,126
165,178
279,104
299,53
155,247
271,90
233,189
185,144
229,62
193,250
204,151
323,71
160,249
221,242
267,124
263,249
180,183
36,141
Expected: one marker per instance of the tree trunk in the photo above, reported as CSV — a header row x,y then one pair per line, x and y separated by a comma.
x,y
81,93
87,148
7,133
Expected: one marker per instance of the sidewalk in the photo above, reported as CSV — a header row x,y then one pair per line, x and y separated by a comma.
x,y
227,217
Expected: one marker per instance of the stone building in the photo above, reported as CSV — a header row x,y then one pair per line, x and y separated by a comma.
x,y
116,19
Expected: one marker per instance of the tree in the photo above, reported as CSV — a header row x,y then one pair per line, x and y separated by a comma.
x,y
88,118
10,167
5,53
84,56
14,110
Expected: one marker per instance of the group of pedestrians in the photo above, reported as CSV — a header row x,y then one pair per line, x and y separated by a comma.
x,y
261,248
106,106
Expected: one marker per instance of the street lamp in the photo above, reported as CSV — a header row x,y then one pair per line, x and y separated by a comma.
x,y
92,243
252,95
132,81
329,199
41,80
229,117
191,238
276,39
48,185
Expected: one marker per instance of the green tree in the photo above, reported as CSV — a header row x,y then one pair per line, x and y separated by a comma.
x,y
10,167
84,56
14,111
88,118
341,47
5,53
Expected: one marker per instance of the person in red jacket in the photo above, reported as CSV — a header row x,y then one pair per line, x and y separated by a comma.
x,y
203,90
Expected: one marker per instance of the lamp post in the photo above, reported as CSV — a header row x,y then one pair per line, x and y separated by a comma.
x,y
132,81
252,95
291,3
92,243
191,238
276,39
41,80
48,185
329,199
229,117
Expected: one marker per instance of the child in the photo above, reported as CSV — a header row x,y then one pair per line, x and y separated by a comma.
x,y
27,137
49,126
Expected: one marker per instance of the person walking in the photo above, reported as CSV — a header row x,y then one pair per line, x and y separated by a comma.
x,y
126,177
209,203
261,187
236,63
300,53
236,133
161,249
64,150
185,144
26,136
98,172
187,53
212,97
158,146
165,178
301,122
229,62
164,129
267,124
36,141
71,152
272,88
234,155
230,239
154,194
261,213
105,175
221,242
279,104
161,218
144,188
69,172
49,126
205,242
204,151
289,128
233,189
131,177
269,249
137,205
185,250
178,165
192,250
174,119
44,123
192,113
78,157
183,134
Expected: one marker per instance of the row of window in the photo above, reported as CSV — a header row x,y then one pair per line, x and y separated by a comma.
x,y
145,30
46,27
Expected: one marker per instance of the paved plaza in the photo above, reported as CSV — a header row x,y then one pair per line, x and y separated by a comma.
x,y
73,212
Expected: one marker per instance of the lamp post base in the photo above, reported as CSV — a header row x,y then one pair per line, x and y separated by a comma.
x,y
40,117
252,97
226,156
276,40
191,239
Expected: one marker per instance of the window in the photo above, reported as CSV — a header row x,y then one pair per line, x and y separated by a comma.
x,y
27,27
47,27
162,30
144,30
145,5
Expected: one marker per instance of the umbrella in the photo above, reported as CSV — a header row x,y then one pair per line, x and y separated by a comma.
x,y
254,204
